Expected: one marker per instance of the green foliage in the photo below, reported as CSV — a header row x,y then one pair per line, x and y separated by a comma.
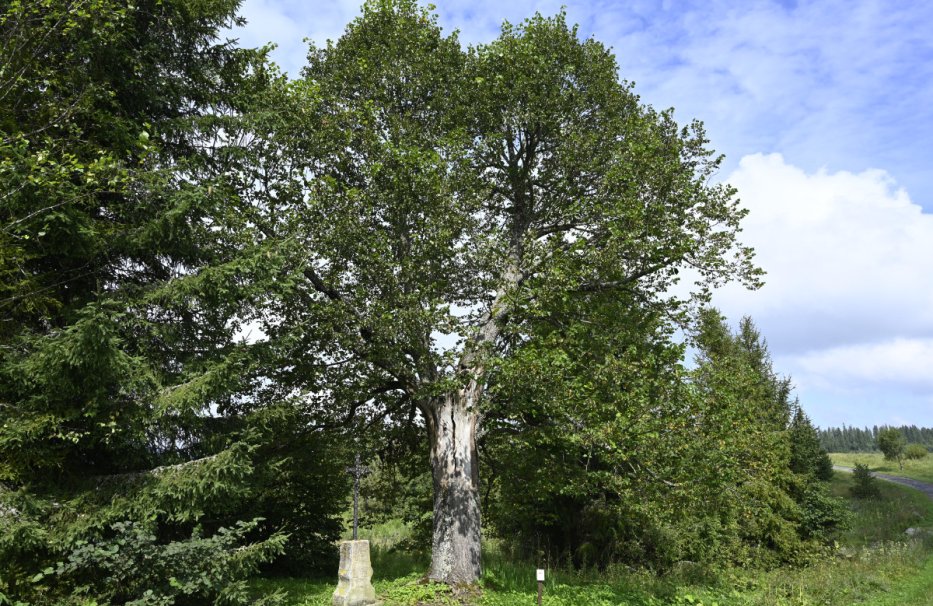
x,y
99,214
109,539
123,282
807,457
130,567
585,495
660,466
892,444
915,452
823,515
865,486
297,487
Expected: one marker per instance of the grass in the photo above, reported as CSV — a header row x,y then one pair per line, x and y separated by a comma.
x,y
921,469
874,558
913,590
885,518
875,565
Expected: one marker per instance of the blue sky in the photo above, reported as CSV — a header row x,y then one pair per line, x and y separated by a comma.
x,y
824,111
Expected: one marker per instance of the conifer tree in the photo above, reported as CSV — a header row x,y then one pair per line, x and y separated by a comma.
x,y
807,455
122,256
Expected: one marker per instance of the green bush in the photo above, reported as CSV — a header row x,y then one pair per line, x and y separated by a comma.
x,y
823,514
892,443
298,485
129,566
915,451
866,486
126,563
124,538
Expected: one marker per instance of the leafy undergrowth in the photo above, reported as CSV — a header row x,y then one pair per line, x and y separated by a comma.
x,y
918,469
875,564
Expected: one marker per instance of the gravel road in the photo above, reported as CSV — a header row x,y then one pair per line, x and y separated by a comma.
x,y
923,487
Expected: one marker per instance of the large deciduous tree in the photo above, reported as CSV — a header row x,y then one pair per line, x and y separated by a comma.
x,y
436,207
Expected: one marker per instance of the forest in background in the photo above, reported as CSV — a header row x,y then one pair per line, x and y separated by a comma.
x,y
855,439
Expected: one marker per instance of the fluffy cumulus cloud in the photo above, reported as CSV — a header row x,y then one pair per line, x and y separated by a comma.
x,y
848,303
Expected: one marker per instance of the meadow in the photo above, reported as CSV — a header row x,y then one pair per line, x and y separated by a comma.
x,y
873,564
920,469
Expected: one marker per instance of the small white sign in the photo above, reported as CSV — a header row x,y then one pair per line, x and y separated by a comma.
x,y
540,574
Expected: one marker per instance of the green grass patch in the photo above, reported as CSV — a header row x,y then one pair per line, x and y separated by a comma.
x,y
874,557
916,589
875,564
885,518
920,469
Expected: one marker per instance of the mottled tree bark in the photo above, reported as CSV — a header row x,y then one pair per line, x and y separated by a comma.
x,y
455,554
452,422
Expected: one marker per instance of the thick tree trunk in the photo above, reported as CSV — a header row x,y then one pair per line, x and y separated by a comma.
x,y
453,421
455,556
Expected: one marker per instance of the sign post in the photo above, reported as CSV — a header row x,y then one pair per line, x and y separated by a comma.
x,y
540,584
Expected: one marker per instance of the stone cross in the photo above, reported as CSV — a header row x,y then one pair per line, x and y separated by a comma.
x,y
357,471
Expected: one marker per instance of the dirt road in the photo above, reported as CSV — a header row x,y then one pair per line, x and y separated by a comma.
x,y
923,487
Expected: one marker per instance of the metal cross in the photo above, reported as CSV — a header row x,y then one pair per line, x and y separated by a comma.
x,y
357,471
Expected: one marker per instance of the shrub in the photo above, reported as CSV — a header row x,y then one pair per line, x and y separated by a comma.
x,y
823,514
915,451
130,566
866,486
126,563
892,444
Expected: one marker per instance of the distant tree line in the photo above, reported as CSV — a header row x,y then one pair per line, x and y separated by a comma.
x,y
855,439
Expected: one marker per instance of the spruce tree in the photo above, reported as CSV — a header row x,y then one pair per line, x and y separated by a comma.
x,y
122,263
807,455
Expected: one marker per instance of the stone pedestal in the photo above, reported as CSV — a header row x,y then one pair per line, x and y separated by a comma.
x,y
354,587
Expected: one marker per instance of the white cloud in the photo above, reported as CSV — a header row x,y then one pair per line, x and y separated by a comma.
x,y
849,257
899,363
847,307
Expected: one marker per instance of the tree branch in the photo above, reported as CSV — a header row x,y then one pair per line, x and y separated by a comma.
x,y
603,286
